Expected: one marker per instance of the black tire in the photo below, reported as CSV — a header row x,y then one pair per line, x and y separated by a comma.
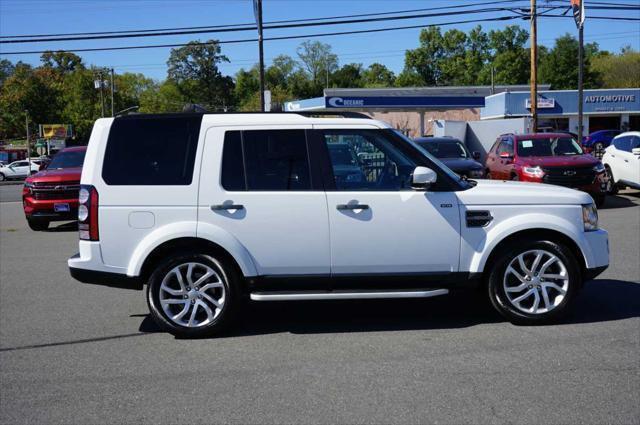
x,y
600,200
488,175
2,177
612,187
38,225
514,177
230,279
506,308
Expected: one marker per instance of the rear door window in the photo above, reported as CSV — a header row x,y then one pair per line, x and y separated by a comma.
x,y
151,150
265,160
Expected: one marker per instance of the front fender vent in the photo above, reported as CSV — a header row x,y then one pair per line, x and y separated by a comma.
x,y
478,218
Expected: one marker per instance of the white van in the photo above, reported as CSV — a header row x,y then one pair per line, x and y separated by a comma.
x,y
208,209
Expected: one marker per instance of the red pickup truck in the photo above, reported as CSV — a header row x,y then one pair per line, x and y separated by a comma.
x,y
52,194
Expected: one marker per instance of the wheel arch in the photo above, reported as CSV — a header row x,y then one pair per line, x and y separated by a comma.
x,y
535,234
182,244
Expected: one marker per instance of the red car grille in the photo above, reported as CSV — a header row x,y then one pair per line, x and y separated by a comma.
x,y
64,190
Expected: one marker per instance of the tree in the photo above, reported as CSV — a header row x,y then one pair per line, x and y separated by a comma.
x,y
618,70
162,97
194,70
559,67
317,59
422,64
510,58
349,75
378,75
6,69
62,62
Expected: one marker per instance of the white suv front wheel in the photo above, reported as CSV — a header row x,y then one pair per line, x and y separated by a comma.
x,y
534,282
192,295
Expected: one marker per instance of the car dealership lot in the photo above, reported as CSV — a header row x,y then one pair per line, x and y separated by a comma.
x,y
85,354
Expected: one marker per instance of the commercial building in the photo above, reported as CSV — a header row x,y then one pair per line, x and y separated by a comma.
x,y
416,110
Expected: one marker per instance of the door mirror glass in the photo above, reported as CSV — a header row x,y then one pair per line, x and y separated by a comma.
x,y
476,155
635,151
423,177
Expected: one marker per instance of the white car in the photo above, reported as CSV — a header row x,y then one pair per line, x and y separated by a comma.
x,y
18,170
622,161
207,209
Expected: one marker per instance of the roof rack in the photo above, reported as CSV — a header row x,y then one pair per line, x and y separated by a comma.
x,y
310,114
343,114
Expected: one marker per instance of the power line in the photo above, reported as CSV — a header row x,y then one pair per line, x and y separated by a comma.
x,y
251,40
484,3
278,26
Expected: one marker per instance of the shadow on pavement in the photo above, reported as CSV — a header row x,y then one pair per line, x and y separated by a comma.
x,y
600,301
615,201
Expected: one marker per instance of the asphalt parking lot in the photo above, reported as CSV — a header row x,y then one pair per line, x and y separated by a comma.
x,y
77,353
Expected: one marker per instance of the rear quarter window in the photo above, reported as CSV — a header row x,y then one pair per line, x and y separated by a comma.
x,y
151,150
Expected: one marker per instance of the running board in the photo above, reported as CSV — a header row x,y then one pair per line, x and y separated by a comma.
x,y
345,295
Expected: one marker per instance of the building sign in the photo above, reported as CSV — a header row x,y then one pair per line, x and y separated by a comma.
x,y
548,103
615,98
59,131
399,102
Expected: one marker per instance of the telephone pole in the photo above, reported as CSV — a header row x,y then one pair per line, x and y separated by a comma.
x,y
257,11
26,122
534,68
112,89
101,94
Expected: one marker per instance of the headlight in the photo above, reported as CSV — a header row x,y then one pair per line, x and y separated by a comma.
x,y
599,168
590,217
476,173
533,171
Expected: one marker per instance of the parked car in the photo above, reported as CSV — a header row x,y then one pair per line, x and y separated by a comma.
x,y
552,158
18,170
622,161
207,209
454,154
347,168
52,194
597,141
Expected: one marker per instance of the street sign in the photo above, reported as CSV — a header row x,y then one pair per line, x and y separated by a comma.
x,y
577,6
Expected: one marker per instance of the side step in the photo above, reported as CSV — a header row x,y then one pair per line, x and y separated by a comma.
x,y
345,295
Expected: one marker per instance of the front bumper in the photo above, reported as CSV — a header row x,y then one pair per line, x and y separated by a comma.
x,y
45,209
596,250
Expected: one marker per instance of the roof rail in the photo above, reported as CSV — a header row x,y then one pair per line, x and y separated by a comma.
x,y
343,114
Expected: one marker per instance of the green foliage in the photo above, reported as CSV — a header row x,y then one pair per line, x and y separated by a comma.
x,y
559,66
194,70
317,59
62,62
618,70
378,75
348,76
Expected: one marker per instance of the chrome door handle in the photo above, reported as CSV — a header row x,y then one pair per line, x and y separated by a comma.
x,y
352,206
222,207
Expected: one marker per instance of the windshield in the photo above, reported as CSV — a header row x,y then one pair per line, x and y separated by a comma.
x,y
69,159
549,146
449,149
435,160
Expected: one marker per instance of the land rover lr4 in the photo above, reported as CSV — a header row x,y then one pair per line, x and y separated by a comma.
x,y
208,209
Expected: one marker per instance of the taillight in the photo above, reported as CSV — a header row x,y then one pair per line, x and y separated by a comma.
x,y
88,213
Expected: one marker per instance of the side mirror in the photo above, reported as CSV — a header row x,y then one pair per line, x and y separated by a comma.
x,y
423,177
505,155
635,151
476,155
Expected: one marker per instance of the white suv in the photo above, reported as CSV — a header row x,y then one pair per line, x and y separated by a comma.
x,y
622,161
211,209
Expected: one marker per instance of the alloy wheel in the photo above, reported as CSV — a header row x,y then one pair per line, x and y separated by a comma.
x,y
536,281
192,294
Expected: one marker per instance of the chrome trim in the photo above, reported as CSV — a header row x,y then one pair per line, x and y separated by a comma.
x,y
300,296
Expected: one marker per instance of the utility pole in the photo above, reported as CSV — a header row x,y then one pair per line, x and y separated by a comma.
x,y
580,79
534,68
26,123
326,68
257,10
113,84
101,94
493,85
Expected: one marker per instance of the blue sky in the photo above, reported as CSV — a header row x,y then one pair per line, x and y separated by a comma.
x,y
19,17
